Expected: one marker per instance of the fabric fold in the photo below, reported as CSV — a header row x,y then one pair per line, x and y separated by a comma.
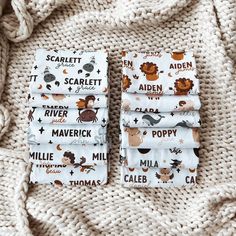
x,y
65,101
68,116
66,134
160,72
72,155
159,158
59,175
159,137
156,103
69,72
162,120
158,177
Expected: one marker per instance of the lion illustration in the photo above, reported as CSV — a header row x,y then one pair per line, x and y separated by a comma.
x,y
126,82
183,86
150,70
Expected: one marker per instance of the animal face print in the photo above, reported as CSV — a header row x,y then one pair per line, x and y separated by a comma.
x,y
158,177
69,72
150,70
68,158
67,101
159,134
134,136
155,104
160,73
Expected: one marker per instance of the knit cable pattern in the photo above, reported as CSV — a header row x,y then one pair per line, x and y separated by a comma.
x,y
116,25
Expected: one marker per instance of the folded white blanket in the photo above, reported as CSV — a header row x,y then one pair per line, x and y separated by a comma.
x,y
159,158
159,137
60,175
66,134
69,72
64,101
68,116
73,155
162,120
155,103
160,72
158,177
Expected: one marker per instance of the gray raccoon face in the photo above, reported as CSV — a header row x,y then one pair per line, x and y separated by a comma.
x,y
49,78
88,67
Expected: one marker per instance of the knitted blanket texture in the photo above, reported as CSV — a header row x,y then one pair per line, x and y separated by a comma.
x,y
208,28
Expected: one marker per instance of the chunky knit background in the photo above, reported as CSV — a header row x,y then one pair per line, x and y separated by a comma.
x,y
208,27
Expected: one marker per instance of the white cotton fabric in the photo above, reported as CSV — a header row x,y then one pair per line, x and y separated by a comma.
x,y
159,158
69,175
66,134
69,72
152,177
155,103
68,116
160,72
162,120
59,154
63,101
159,137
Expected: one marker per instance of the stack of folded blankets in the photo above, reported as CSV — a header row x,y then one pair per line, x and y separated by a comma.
x,y
159,119
68,118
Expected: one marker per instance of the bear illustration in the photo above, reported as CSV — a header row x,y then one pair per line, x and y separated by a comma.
x,y
134,136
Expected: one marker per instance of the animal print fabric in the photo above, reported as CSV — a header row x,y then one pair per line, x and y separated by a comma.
x,y
65,101
60,175
155,82
206,27
162,158
68,115
155,103
160,72
53,154
69,72
172,119
157,177
159,137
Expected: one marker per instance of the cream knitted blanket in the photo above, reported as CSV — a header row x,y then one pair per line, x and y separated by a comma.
x,y
208,27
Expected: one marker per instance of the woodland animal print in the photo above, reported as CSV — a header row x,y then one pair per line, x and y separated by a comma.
x,y
135,137
87,115
165,175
